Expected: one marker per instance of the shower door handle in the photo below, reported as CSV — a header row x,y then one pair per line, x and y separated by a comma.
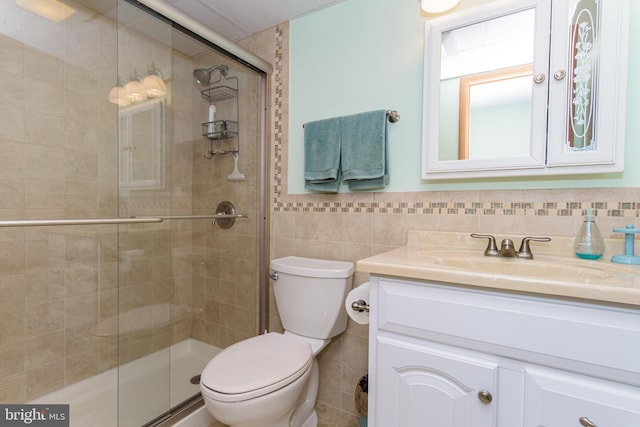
x,y
109,221
86,221
210,216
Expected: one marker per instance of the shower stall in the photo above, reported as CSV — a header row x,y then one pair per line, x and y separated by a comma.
x,y
133,171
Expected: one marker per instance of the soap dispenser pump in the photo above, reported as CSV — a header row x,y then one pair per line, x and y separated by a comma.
x,y
629,257
589,243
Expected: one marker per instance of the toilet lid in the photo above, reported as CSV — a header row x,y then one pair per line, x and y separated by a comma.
x,y
257,363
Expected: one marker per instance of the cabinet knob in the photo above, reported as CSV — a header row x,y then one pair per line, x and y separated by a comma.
x,y
559,74
485,396
539,78
586,422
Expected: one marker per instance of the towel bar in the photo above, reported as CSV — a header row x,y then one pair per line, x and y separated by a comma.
x,y
392,115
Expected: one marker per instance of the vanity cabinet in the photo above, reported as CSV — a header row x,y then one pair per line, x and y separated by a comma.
x,y
448,355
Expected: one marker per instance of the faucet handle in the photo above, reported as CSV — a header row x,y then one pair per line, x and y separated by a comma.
x,y
525,250
492,248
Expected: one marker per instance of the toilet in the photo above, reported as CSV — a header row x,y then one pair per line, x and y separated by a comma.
x,y
272,380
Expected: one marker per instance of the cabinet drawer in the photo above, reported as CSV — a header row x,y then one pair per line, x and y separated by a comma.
x,y
589,333
561,399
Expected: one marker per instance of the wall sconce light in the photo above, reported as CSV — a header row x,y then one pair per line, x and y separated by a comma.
x,y
138,89
438,6
153,85
118,96
134,88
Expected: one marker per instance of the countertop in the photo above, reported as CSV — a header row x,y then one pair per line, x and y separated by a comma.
x,y
554,272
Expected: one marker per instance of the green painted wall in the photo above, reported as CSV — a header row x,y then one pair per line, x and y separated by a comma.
x,y
363,55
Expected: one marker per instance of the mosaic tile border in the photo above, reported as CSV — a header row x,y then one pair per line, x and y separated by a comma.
x,y
610,209
278,120
551,209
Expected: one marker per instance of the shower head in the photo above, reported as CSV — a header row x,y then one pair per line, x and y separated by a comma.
x,y
202,76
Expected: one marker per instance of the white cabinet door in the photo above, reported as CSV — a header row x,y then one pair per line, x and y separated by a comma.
x,y
561,399
420,385
587,83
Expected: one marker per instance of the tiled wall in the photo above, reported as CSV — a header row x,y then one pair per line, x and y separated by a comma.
x,y
56,135
65,289
356,225
225,273
61,287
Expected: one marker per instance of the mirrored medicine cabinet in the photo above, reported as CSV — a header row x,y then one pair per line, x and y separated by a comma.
x,y
141,135
525,88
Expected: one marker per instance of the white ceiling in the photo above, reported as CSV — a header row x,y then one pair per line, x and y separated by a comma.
x,y
237,19
233,19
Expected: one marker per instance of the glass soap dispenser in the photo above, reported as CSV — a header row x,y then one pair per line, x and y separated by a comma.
x,y
589,243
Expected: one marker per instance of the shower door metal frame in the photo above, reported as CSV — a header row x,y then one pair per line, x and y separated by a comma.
x,y
182,22
201,32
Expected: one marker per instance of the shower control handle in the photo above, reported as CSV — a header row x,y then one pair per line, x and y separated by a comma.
x,y
274,275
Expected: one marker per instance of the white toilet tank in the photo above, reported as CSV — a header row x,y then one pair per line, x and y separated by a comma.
x,y
310,295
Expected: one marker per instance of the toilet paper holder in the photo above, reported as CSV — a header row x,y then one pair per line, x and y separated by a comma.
x,y
360,306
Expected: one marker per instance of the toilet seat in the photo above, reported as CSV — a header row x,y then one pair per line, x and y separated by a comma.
x,y
255,367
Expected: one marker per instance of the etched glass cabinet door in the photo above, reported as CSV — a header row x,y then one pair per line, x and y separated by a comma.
x,y
585,85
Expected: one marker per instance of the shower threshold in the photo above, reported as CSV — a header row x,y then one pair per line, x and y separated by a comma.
x,y
148,387
190,413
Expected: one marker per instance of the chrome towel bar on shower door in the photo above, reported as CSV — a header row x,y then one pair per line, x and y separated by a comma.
x,y
110,221
86,221
210,216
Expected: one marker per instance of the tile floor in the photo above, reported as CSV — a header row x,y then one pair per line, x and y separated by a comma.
x,y
327,417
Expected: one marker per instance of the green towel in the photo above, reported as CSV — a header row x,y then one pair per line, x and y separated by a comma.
x,y
322,144
364,150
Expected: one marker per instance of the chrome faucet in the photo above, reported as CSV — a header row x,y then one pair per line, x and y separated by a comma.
x,y
507,248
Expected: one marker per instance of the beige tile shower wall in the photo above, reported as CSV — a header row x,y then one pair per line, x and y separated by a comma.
x,y
57,138
61,287
356,225
225,285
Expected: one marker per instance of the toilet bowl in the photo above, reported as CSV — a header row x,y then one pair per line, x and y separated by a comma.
x,y
271,380
258,381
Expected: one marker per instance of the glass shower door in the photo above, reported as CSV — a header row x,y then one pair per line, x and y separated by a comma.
x,y
146,271
100,309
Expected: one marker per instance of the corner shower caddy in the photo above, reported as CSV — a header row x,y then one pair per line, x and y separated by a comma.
x,y
218,132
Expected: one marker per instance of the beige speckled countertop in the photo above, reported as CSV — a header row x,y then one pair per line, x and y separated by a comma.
x,y
458,258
